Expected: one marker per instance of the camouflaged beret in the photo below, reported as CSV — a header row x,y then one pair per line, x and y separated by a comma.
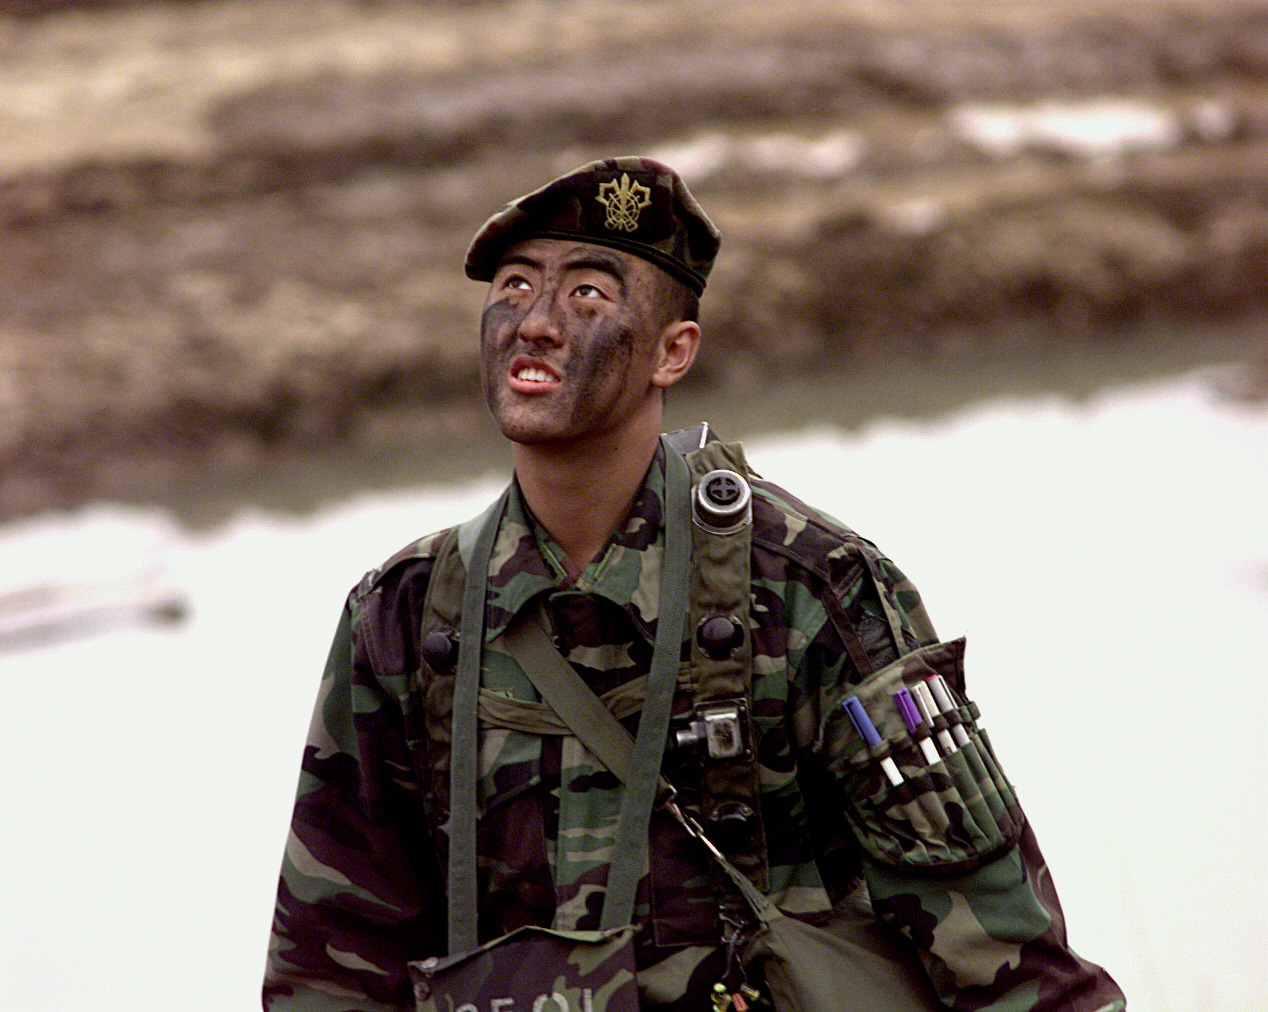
x,y
631,204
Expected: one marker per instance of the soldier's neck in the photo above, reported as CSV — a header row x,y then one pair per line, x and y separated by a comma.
x,y
581,493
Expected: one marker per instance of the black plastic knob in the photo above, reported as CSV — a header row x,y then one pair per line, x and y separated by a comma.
x,y
440,651
724,488
719,635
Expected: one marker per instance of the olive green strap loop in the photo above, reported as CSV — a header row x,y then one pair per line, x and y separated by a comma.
x,y
463,885
653,724
653,729
572,701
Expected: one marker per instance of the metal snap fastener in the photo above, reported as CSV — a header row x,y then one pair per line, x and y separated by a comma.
x,y
722,501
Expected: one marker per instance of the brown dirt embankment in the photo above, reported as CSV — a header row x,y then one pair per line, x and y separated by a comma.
x,y
236,228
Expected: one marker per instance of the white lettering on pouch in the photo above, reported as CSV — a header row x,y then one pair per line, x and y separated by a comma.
x,y
553,1002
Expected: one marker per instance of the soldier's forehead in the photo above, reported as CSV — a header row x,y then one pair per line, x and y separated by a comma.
x,y
571,252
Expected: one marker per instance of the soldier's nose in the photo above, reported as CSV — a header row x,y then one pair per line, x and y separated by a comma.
x,y
540,324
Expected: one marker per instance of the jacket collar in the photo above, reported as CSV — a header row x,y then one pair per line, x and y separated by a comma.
x,y
526,560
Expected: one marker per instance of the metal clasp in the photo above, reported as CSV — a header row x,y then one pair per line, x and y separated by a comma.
x,y
718,729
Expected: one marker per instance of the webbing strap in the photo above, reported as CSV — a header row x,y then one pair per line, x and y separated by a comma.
x,y
653,724
469,532
575,704
643,768
463,885
721,585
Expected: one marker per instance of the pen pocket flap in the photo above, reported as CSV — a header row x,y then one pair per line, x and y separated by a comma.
x,y
950,814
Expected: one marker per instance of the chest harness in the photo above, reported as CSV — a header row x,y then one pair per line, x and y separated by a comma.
x,y
715,580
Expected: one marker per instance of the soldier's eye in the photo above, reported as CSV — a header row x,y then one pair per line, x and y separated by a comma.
x,y
590,291
517,282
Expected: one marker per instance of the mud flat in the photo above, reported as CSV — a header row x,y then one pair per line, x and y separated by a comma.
x,y
233,232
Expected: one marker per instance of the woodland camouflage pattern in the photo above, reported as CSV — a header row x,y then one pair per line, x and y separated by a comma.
x,y
362,889
589,971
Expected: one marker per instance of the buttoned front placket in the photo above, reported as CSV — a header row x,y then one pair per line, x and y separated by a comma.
x,y
604,623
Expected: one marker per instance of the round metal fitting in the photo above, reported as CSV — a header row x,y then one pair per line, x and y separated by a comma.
x,y
722,500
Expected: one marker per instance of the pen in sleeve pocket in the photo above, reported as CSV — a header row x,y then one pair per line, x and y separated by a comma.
x,y
867,731
943,698
911,717
925,704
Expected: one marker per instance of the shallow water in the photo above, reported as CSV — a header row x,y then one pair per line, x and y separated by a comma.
x,y
403,449
1106,556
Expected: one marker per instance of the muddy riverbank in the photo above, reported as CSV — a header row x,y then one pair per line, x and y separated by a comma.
x,y
233,231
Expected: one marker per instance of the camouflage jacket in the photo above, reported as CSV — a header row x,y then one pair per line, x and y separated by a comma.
x,y
362,888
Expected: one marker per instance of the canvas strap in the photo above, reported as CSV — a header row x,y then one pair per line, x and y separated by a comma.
x,y
644,763
463,886
721,585
596,728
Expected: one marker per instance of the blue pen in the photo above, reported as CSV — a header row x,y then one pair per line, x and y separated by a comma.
x,y
867,731
911,717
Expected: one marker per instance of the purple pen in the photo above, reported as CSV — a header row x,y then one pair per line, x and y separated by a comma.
x,y
911,717
867,731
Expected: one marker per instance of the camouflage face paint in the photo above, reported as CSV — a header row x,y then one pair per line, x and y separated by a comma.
x,y
567,341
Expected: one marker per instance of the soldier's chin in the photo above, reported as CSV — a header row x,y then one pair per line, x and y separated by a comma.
x,y
528,432
534,437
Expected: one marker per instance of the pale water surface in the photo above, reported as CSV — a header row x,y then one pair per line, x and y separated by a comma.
x,y
1107,560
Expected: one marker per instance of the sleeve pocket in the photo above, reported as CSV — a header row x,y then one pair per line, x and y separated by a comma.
x,y
947,816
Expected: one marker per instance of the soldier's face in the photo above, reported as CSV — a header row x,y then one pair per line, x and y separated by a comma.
x,y
568,340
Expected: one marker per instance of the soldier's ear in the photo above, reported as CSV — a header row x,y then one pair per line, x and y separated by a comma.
x,y
676,351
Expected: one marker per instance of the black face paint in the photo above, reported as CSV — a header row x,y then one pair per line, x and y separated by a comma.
x,y
601,354
498,318
606,356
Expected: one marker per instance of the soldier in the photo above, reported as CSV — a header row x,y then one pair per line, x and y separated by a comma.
x,y
910,833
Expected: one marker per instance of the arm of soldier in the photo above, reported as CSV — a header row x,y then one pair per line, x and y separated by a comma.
x,y
355,890
991,937
994,937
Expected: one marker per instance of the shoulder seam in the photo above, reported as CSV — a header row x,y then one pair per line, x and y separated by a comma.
x,y
838,533
410,553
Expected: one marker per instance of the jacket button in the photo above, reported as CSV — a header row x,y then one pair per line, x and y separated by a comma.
x,y
440,651
718,635
732,825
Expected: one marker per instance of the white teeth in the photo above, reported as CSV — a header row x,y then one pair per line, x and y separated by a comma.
x,y
534,375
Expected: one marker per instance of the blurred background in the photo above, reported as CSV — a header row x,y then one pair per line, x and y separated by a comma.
x,y
993,289
233,232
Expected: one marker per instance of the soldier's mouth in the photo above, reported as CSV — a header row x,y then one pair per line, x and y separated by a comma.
x,y
529,376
